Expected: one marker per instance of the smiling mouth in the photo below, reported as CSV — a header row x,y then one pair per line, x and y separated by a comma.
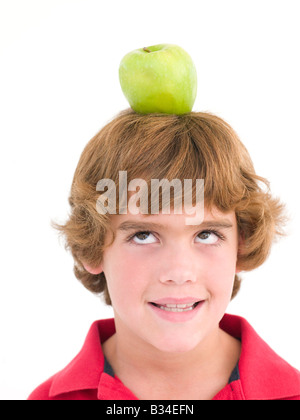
x,y
174,307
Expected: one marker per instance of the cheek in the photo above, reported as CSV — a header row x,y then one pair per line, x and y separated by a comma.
x,y
221,273
126,276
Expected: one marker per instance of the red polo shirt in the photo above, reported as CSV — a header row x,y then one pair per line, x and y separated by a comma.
x,y
263,375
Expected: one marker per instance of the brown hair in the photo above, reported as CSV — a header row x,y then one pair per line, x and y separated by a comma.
x,y
159,146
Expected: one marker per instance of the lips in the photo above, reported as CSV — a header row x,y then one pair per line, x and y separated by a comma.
x,y
177,310
177,305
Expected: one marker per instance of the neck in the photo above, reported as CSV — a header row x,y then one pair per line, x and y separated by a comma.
x,y
206,366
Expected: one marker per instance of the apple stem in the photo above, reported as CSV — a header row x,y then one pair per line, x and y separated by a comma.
x,y
147,50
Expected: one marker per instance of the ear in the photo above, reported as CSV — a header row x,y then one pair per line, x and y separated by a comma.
x,y
93,270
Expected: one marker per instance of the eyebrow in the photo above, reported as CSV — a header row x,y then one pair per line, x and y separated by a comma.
x,y
149,226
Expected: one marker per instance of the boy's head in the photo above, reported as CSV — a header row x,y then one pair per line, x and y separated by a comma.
x,y
194,146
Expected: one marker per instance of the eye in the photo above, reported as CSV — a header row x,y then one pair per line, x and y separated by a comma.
x,y
142,238
208,237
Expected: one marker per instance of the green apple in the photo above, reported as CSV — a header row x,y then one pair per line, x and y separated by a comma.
x,y
159,79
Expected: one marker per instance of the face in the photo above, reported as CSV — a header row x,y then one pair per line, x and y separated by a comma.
x,y
170,283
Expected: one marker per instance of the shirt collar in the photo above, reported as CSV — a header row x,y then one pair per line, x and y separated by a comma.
x,y
264,375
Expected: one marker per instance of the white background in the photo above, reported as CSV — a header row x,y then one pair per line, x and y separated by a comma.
x,y
59,85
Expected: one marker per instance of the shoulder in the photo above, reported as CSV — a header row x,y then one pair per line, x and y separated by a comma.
x,y
42,392
264,374
80,378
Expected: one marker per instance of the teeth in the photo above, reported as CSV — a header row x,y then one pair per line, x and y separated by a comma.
x,y
165,308
182,307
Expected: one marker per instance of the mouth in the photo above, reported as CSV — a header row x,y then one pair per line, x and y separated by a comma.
x,y
176,307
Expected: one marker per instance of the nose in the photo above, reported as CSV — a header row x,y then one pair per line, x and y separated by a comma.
x,y
178,268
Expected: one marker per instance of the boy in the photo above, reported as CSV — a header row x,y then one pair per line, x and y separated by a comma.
x,y
168,278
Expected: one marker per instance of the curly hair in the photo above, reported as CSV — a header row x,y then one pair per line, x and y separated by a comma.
x,y
193,146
